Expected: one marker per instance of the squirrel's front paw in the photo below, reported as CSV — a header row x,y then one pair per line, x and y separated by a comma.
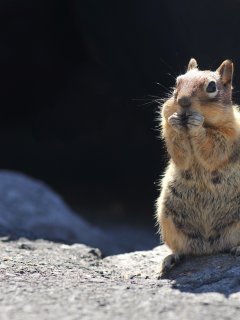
x,y
176,122
195,121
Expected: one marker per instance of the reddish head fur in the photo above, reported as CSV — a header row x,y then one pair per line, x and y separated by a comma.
x,y
216,107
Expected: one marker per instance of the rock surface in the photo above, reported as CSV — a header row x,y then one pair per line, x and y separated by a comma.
x,y
40,279
46,280
30,208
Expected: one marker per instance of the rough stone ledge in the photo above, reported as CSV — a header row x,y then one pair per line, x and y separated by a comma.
x,y
45,280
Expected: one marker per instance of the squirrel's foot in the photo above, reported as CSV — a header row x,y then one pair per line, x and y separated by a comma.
x,y
235,251
169,261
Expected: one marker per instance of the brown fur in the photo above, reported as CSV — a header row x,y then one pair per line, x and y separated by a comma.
x,y
198,210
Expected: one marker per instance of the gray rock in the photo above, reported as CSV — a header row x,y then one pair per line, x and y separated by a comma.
x,y
30,208
215,273
45,280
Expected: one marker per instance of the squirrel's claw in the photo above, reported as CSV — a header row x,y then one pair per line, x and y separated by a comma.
x,y
168,262
195,121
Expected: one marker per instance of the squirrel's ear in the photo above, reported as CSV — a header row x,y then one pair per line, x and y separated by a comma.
x,y
226,72
192,64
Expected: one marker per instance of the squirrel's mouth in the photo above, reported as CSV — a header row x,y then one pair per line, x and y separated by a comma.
x,y
184,118
185,113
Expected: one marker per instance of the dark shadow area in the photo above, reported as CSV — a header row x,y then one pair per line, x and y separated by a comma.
x,y
74,79
216,273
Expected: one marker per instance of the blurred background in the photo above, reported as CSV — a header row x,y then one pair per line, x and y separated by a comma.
x,y
79,84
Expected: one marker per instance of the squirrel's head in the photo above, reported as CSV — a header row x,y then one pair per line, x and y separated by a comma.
x,y
206,92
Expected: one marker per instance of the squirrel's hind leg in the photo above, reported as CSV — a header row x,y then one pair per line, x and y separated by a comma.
x,y
169,261
235,251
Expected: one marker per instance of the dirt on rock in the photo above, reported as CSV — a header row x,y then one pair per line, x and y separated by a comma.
x,y
46,280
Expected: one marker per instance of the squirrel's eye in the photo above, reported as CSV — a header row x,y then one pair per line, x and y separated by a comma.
x,y
211,87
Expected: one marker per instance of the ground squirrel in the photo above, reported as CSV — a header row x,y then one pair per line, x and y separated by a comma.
x,y
198,210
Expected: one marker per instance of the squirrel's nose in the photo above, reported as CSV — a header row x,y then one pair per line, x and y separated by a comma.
x,y
184,102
